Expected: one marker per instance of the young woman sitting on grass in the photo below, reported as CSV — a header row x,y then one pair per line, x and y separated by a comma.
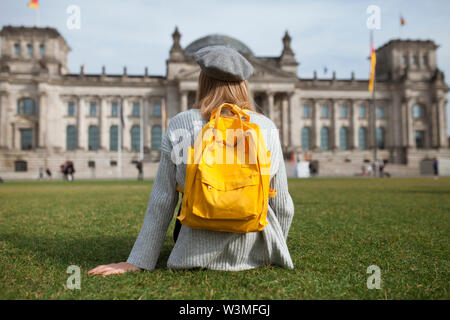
x,y
222,80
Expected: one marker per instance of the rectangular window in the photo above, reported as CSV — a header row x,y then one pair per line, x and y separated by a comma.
x,y
344,112
26,139
20,166
306,111
404,60
71,109
420,139
380,137
362,112
42,49
324,113
114,109
425,60
135,112
157,110
380,113
17,50
30,49
93,109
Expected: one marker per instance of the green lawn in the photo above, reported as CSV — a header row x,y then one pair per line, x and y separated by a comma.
x,y
341,226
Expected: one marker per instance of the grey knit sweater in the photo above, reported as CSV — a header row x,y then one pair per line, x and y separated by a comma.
x,y
211,249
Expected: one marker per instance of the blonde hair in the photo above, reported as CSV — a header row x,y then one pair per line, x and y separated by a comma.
x,y
211,93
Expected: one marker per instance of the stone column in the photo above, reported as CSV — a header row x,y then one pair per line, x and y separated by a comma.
x,y
43,125
147,123
126,136
4,117
411,142
404,122
144,121
293,109
285,120
184,100
434,124
104,128
270,98
354,124
443,140
81,123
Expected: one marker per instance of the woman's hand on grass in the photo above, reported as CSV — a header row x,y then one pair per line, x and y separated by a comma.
x,y
113,268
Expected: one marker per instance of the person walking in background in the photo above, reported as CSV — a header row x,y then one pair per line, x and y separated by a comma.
x,y
436,168
49,174
41,174
381,168
63,171
369,170
69,171
139,167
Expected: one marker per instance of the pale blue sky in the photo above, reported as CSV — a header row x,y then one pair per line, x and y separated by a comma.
x,y
137,34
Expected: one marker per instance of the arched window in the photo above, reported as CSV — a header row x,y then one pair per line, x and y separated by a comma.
x,y
42,49
114,138
362,138
343,138
93,138
26,107
71,138
324,138
306,138
418,111
17,50
381,137
135,138
156,137
30,49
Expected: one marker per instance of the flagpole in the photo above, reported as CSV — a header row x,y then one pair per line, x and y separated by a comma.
x,y
375,151
37,18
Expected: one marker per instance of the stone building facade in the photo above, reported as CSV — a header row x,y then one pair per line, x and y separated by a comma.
x,y
49,115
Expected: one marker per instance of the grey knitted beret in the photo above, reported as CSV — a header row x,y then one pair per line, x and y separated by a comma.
x,y
223,63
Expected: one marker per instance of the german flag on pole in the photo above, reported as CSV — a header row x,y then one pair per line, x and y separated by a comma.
x,y
402,21
373,62
33,4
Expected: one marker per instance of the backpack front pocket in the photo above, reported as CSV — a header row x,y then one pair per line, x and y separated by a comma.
x,y
235,199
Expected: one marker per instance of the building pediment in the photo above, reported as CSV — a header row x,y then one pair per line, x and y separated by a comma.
x,y
263,70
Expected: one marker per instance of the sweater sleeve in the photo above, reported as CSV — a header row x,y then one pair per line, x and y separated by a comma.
x,y
281,204
159,213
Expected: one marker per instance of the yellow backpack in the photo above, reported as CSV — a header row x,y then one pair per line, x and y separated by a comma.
x,y
227,176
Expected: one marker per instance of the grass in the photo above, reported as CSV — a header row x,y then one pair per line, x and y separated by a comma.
x,y
341,226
